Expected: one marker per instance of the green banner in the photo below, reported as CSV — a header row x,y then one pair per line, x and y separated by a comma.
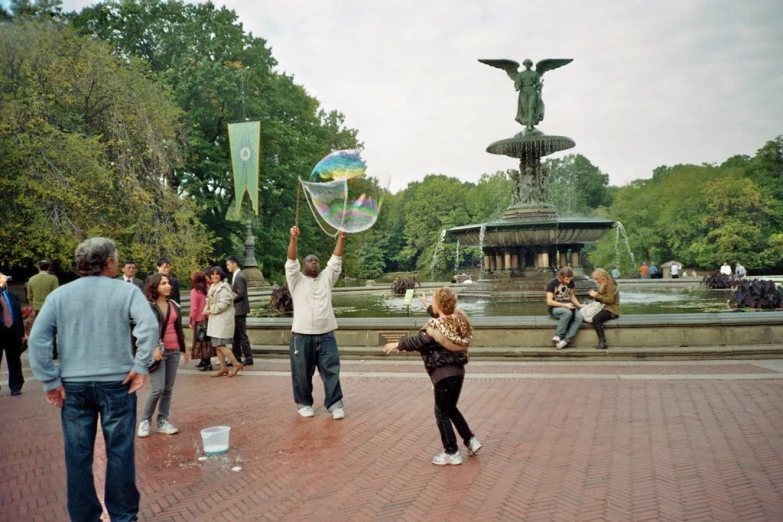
x,y
245,142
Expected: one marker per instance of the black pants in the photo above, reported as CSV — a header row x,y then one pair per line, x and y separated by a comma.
x,y
241,344
600,318
446,397
12,346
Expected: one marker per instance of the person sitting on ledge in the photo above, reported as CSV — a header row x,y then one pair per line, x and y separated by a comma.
x,y
609,295
563,306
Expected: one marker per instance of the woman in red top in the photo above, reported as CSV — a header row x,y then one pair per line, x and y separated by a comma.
x,y
198,299
158,289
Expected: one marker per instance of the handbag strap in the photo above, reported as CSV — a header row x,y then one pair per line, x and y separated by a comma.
x,y
163,325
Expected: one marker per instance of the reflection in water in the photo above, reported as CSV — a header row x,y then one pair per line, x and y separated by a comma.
x,y
665,301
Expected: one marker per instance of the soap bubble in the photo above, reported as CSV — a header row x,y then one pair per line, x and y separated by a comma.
x,y
344,194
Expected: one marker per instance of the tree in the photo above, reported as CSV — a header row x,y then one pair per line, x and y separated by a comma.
x,y
576,186
220,73
86,147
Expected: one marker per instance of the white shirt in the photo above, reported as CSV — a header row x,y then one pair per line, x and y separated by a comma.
x,y
725,269
675,269
312,297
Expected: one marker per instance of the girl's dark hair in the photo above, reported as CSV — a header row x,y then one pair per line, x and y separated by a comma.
x,y
219,270
151,286
198,281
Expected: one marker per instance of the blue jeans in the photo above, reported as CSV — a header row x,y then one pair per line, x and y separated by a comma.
x,y
84,401
568,323
308,351
162,381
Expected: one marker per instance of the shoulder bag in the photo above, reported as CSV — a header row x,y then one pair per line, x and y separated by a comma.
x,y
589,311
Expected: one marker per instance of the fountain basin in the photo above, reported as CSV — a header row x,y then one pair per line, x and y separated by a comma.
x,y
530,144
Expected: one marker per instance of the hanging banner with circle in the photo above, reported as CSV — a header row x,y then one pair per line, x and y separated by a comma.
x,y
245,141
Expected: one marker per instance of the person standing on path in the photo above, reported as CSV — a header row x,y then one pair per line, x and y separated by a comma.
x,y
129,274
312,334
39,287
443,343
11,335
169,317
564,306
219,312
163,266
241,345
97,377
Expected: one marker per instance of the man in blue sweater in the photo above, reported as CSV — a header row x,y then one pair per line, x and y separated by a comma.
x,y
97,375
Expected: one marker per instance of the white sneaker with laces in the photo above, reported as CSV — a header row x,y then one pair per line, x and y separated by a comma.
x,y
338,414
445,459
561,345
556,339
144,429
473,446
306,411
166,428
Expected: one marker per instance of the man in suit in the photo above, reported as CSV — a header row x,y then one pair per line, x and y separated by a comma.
x,y
129,274
11,334
39,287
241,344
164,267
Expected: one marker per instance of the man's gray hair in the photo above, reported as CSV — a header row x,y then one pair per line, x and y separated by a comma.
x,y
93,254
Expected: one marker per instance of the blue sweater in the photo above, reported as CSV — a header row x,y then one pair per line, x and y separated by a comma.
x,y
91,318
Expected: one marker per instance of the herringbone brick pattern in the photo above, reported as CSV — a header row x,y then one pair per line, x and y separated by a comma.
x,y
554,449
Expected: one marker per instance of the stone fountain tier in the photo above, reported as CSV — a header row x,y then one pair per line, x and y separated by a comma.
x,y
530,144
531,232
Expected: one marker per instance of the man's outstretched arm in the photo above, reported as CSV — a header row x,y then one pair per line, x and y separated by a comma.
x,y
339,248
292,243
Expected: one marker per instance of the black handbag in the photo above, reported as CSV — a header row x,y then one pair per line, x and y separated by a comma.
x,y
201,333
154,364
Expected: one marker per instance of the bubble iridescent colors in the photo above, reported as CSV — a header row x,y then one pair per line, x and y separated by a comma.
x,y
342,193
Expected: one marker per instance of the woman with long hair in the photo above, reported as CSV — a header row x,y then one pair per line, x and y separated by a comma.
x,y
609,295
220,328
158,290
198,300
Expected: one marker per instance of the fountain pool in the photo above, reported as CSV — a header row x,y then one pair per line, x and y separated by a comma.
x,y
634,302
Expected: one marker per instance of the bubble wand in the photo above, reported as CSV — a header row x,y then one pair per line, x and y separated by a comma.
x,y
298,190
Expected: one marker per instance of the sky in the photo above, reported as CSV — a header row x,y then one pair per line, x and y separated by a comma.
x,y
652,82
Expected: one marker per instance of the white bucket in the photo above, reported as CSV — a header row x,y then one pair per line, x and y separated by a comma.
x,y
215,440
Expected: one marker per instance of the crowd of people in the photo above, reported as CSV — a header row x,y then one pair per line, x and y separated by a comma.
x,y
117,332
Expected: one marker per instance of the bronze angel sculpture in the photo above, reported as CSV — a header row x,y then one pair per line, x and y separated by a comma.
x,y
530,107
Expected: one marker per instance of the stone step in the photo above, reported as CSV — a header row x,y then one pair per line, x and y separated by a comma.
x,y
768,351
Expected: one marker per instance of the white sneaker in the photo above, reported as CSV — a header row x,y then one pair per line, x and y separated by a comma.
x,y
561,345
445,459
473,446
306,411
144,429
338,414
166,428
556,339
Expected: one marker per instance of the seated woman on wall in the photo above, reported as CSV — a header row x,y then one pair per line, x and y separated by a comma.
x,y
609,295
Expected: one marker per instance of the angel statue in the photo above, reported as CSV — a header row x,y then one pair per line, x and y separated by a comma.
x,y
530,107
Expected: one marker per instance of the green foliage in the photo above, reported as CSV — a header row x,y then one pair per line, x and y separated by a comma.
x,y
703,215
87,147
576,186
220,73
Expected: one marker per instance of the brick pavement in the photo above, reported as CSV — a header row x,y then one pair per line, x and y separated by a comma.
x,y
682,441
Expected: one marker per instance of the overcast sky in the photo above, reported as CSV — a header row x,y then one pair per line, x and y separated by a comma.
x,y
652,82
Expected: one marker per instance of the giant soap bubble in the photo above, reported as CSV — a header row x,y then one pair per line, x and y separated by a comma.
x,y
344,194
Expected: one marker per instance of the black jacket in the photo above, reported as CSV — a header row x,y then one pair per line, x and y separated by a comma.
x,y
177,323
438,361
16,309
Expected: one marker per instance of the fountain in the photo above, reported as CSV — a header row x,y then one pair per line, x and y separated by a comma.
x,y
530,242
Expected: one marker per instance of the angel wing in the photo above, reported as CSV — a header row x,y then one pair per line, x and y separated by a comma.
x,y
506,65
550,64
